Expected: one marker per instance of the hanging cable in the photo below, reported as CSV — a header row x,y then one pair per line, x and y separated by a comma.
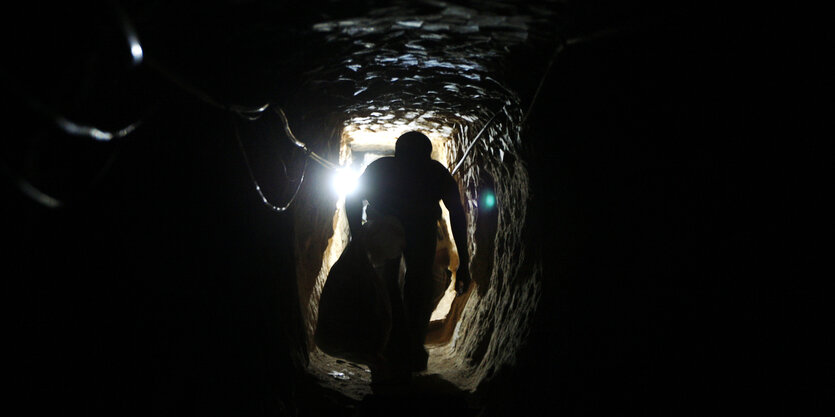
x,y
29,190
76,129
65,124
258,187
41,197
91,131
562,44
250,113
185,86
313,155
477,137
286,172
247,112
138,57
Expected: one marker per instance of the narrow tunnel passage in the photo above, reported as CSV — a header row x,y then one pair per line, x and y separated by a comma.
x,y
629,197
436,69
459,343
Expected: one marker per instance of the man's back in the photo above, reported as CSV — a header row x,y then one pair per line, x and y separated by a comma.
x,y
409,191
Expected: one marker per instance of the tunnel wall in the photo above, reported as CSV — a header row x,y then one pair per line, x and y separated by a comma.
x,y
497,317
314,213
497,314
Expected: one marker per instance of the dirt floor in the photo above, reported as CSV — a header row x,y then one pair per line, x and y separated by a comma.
x,y
344,388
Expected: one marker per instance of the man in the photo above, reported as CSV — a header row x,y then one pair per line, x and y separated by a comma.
x,y
409,187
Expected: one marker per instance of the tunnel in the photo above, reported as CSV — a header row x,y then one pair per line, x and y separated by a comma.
x,y
632,176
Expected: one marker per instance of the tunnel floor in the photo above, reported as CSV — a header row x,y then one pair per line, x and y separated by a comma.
x,y
349,384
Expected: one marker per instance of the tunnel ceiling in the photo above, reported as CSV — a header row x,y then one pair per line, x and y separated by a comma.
x,y
435,61
367,60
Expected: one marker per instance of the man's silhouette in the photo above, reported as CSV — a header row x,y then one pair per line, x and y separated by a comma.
x,y
409,187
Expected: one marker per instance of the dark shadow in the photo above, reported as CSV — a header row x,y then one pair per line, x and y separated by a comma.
x,y
316,400
426,395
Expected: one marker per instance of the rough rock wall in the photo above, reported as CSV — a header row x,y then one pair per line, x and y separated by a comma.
x,y
496,318
447,65
313,213
497,314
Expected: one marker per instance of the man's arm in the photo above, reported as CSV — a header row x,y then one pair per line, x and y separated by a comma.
x,y
353,210
458,221
354,201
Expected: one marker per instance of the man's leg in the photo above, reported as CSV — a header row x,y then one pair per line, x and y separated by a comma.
x,y
395,353
420,256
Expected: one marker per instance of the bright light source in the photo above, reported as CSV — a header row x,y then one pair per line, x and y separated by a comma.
x,y
135,49
489,200
345,181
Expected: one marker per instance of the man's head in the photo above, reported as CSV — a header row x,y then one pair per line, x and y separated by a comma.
x,y
413,146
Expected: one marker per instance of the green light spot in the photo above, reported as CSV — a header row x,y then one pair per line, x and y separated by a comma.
x,y
489,200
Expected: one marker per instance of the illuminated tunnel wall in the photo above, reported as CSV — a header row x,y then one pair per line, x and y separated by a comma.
x,y
440,69
497,313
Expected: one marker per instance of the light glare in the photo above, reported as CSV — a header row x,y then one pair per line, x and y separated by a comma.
x,y
490,200
136,50
345,181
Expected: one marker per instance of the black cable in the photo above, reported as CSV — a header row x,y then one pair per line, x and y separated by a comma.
x,y
43,198
29,190
286,172
68,126
313,155
562,44
258,187
477,137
